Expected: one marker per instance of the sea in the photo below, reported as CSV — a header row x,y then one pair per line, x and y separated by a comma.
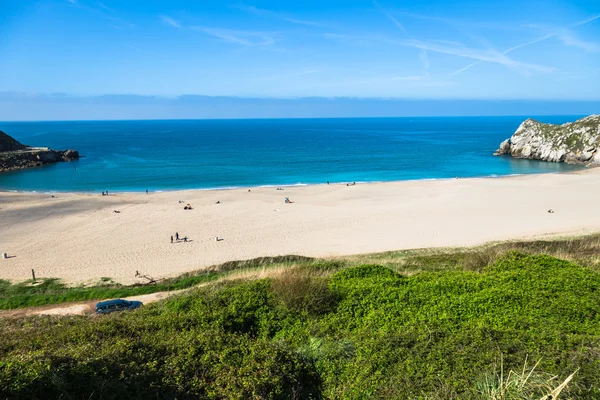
x,y
161,155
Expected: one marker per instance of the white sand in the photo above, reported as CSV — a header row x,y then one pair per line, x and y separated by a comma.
x,y
78,238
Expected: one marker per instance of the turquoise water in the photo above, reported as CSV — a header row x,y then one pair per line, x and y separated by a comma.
x,y
196,154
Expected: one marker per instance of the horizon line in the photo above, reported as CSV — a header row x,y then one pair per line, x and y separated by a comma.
x,y
293,118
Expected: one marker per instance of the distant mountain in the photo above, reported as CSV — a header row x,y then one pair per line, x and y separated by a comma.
x,y
575,142
7,143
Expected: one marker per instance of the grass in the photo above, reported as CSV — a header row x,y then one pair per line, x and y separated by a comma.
x,y
307,329
527,383
51,291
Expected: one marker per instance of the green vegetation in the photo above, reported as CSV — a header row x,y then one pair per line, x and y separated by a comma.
x,y
424,325
52,291
571,134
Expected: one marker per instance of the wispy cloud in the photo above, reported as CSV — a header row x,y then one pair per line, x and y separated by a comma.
x,y
463,69
487,54
304,22
100,9
562,34
390,16
276,14
423,56
245,38
170,21
105,7
476,54
569,39
132,47
450,42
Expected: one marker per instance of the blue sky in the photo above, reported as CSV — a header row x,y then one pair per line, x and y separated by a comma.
x,y
438,49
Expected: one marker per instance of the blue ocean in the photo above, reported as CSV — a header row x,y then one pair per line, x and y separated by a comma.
x,y
202,154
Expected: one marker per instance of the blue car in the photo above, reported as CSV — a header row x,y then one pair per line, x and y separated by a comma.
x,y
105,307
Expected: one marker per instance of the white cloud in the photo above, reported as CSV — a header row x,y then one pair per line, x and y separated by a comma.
x,y
557,32
275,14
563,36
476,54
170,21
105,7
132,47
569,39
245,38
304,22
390,16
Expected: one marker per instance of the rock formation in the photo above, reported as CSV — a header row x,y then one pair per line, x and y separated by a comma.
x,y
575,142
9,144
14,155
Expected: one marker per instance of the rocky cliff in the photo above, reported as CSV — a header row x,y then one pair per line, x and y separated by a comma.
x,y
575,142
14,155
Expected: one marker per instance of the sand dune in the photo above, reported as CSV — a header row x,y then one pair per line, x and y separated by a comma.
x,y
78,237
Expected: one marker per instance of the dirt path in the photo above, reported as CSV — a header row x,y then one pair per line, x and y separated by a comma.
x,y
88,307
81,308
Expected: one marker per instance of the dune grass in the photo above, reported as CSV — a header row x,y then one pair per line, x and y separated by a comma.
x,y
527,383
51,291
330,331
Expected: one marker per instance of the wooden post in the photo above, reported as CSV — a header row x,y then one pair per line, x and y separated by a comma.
x,y
33,274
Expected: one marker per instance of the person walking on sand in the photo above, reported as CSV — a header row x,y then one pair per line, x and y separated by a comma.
x,y
171,238
185,239
177,236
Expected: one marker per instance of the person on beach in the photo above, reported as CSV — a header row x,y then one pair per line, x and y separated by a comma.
x,y
185,239
177,236
146,191
171,238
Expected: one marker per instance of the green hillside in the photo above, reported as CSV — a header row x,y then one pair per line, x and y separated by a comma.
x,y
436,326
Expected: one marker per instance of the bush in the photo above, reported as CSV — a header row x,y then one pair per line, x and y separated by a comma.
x,y
363,332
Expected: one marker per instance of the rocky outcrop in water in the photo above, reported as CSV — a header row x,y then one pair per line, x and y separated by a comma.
x,y
9,144
575,142
14,155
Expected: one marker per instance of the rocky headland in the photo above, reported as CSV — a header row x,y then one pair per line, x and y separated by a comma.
x,y
15,155
574,142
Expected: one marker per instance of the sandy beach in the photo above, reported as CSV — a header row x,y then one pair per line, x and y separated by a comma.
x,y
79,238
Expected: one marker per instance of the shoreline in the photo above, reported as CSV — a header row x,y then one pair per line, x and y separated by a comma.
x,y
300,184
79,238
